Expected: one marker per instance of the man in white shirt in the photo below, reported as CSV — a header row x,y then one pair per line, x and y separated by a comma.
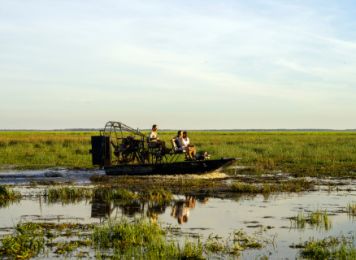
x,y
153,136
154,141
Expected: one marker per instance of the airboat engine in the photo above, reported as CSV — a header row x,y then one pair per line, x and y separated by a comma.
x,y
101,150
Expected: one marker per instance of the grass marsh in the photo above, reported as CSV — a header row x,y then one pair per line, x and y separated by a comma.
x,y
8,195
71,194
318,219
296,185
299,153
118,239
351,209
329,248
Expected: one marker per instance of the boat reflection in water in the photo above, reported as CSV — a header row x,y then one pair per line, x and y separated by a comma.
x,y
180,209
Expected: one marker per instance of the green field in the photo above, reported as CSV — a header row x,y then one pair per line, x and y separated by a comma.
x,y
299,153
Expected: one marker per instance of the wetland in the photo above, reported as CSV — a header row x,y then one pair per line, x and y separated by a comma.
x,y
293,195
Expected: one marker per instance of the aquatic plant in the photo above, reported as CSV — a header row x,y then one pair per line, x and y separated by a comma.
x,y
8,195
27,241
351,209
318,219
67,247
140,239
239,242
67,194
329,248
243,241
296,185
111,193
214,244
245,187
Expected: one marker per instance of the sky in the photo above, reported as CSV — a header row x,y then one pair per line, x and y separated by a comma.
x,y
185,64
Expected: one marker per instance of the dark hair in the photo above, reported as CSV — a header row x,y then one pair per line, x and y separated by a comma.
x,y
154,126
185,132
179,132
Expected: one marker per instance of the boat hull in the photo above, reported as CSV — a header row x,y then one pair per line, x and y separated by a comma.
x,y
186,167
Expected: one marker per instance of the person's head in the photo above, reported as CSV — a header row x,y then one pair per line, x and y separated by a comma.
x,y
185,218
179,133
154,127
185,134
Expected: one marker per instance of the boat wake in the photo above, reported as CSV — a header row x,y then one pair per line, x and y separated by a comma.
x,y
48,175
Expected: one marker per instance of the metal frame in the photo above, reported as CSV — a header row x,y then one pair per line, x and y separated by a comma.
x,y
132,146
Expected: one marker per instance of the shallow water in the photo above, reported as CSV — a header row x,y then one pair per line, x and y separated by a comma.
x,y
16,177
266,218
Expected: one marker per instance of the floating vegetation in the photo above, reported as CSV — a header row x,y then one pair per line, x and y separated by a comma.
x,y
27,241
7,196
243,241
67,194
351,209
329,248
240,241
318,219
296,185
215,244
65,248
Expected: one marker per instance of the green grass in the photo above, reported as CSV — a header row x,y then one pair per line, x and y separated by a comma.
x,y
27,242
318,219
351,209
299,153
117,239
36,150
141,239
296,185
329,248
70,194
67,194
7,196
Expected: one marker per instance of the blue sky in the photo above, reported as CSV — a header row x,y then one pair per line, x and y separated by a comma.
x,y
180,64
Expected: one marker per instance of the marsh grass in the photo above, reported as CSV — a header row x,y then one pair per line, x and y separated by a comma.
x,y
27,242
8,195
67,194
45,149
300,153
296,185
141,239
329,248
67,247
117,239
240,241
113,194
316,219
351,209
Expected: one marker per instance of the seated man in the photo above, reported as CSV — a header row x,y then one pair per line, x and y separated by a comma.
x,y
154,141
187,147
153,135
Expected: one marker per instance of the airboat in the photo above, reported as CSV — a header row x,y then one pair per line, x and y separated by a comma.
x,y
122,150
